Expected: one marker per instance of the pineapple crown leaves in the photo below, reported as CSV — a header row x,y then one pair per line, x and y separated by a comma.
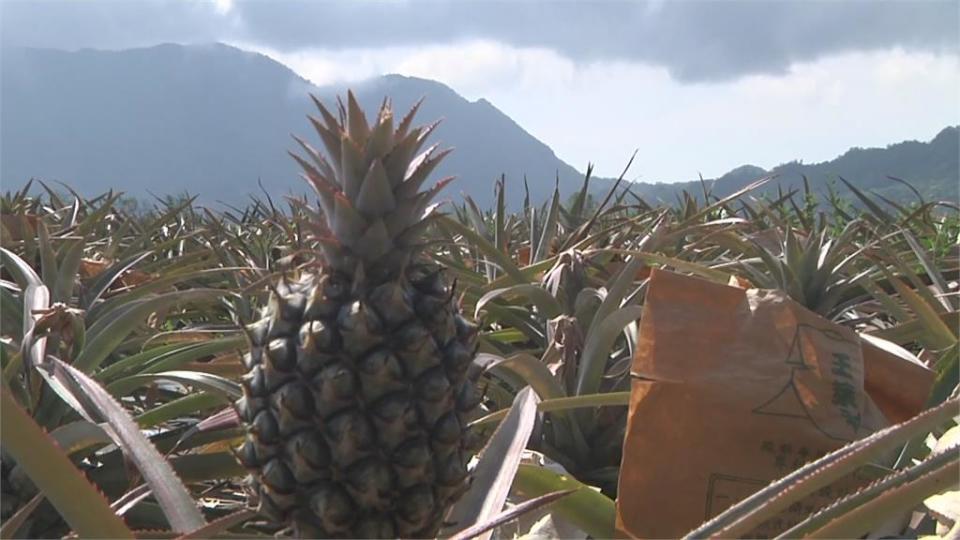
x,y
369,183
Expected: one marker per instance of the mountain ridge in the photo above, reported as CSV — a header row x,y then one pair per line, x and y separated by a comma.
x,y
932,168
220,119
225,116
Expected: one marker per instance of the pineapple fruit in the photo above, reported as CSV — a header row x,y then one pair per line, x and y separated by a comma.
x,y
361,375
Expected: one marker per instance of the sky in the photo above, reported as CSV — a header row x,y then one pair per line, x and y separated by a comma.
x,y
696,87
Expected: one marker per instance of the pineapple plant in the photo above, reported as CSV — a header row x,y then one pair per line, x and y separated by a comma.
x,y
360,374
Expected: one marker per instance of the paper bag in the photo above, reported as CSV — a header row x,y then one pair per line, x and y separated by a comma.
x,y
735,388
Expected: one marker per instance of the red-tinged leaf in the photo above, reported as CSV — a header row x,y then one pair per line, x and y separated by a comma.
x,y
357,126
14,522
407,120
75,498
420,170
97,405
322,165
227,418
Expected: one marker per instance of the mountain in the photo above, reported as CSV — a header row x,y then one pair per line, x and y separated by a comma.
x,y
212,120
932,168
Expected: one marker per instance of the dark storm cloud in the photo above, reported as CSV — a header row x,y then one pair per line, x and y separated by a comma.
x,y
696,41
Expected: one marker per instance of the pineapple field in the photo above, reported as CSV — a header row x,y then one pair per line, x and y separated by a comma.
x,y
373,362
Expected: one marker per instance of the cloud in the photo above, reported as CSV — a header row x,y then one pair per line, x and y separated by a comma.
x,y
695,86
223,7
693,40
474,67
600,111
814,112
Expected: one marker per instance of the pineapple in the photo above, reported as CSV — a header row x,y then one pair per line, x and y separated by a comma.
x,y
361,375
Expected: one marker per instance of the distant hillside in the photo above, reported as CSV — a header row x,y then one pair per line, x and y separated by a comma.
x,y
213,119
932,168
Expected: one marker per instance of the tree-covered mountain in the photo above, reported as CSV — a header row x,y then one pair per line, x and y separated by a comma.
x,y
215,121
212,120
932,168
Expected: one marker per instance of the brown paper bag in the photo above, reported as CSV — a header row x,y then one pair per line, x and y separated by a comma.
x,y
735,388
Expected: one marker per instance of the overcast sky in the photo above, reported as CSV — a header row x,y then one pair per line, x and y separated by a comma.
x,y
697,87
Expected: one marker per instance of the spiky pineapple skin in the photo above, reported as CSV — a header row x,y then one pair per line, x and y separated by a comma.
x,y
358,407
360,377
